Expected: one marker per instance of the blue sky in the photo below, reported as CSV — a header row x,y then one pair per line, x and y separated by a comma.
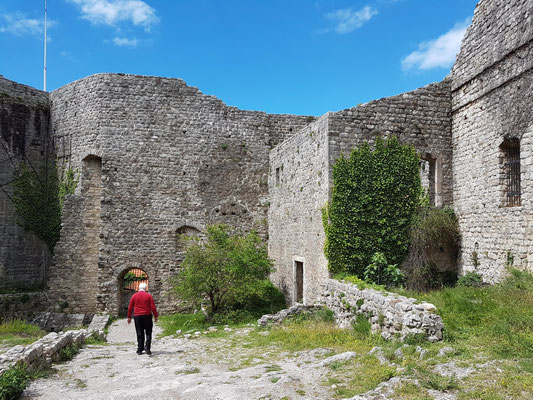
x,y
279,56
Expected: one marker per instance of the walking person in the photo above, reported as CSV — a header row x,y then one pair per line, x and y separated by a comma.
x,y
144,306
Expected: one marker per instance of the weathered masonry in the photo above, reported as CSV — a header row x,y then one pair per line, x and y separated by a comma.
x,y
158,158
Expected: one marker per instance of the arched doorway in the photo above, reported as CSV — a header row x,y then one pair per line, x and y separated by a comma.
x,y
128,283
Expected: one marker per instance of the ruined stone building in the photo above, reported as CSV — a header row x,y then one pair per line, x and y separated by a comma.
x,y
158,158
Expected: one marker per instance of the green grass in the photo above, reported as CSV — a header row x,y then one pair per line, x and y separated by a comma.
x,y
185,322
483,324
495,318
196,322
19,332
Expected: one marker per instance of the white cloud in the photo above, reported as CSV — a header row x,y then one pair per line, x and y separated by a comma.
x,y
18,24
438,53
113,12
347,19
124,41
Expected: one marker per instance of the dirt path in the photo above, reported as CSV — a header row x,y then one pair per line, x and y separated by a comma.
x,y
196,368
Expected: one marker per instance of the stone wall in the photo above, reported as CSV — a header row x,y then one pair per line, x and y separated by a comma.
x,y
24,137
299,187
491,102
389,313
170,157
421,118
24,305
48,349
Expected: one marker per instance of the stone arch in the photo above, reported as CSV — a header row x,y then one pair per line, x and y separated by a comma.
x,y
127,287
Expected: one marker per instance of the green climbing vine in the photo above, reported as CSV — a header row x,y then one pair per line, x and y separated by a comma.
x,y
39,195
375,196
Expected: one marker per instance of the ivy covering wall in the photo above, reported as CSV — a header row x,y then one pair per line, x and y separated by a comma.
x,y
38,196
375,195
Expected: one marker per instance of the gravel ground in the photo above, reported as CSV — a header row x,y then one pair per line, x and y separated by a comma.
x,y
180,368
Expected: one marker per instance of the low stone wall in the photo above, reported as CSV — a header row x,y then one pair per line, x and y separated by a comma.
x,y
392,314
48,348
25,305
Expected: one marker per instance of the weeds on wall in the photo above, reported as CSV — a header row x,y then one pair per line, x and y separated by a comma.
x,y
374,199
38,197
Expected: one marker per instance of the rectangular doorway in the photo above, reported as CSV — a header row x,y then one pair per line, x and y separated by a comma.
x,y
299,266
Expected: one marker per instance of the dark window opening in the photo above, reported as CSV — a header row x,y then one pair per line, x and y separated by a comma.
x,y
510,175
299,281
277,176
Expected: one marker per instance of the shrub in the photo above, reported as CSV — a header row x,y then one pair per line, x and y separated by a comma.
x,y
374,197
261,297
434,233
470,279
225,268
13,382
381,273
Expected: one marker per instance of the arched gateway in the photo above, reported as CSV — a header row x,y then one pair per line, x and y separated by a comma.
x,y
128,283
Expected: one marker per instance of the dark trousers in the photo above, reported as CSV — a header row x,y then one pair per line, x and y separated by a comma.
x,y
143,323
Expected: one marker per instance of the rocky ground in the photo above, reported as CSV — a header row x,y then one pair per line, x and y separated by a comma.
x,y
182,368
228,364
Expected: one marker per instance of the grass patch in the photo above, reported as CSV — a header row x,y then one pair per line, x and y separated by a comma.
x,y
185,322
495,318
361,376
19,332
311,334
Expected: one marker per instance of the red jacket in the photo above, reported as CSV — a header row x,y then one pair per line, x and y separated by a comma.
x,y
143,303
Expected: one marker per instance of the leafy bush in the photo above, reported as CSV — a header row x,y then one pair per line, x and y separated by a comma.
x,y
383,274
225,269
374,197
261,297
13,382
470,279
434,232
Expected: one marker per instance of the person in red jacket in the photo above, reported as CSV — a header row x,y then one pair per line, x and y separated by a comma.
x,y
144,306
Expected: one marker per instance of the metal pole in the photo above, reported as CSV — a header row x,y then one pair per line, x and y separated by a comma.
x,y
45,12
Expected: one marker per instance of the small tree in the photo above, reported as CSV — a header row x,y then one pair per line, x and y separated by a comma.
x,y
222,268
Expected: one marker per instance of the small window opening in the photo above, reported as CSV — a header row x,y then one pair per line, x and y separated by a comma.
x,y
510,172
277,176
299,266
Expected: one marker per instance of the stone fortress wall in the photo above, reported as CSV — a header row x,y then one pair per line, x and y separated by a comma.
x,y
158,158
24,137
491,101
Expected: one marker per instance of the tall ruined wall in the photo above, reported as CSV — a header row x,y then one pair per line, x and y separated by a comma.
x,y
299,186
491,94
421,118
301,175
170,158
24,113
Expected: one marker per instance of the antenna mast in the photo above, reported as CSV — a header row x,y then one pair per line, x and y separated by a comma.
x,y
45,12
